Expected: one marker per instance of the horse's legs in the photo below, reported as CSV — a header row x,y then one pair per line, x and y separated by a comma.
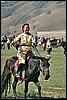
x,y
26,89
6,90
39,89
14,87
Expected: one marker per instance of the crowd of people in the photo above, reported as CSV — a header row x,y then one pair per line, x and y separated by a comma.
x,y
4,41
43,42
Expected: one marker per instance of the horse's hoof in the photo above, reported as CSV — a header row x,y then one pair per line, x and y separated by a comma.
x,y
16,97
39,97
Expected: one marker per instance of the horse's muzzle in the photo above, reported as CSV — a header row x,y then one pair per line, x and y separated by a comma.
x,y
47,75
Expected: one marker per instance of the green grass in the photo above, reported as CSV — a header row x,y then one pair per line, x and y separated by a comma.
x,y
55,87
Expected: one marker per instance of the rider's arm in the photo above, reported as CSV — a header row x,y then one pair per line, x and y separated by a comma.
x,y
16,39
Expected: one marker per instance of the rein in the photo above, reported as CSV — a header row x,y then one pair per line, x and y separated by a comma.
x,y
36,50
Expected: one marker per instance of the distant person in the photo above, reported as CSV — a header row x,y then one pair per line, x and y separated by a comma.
x,y
2,43
8,43
48,47
44,43
5,38
36,40
40,42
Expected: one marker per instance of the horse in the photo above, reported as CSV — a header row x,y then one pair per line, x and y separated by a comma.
x,y
35,66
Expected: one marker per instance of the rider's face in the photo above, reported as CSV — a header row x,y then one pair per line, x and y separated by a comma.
x,y
26,29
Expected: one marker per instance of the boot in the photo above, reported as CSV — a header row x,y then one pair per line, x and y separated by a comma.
x,y
23,75
17,75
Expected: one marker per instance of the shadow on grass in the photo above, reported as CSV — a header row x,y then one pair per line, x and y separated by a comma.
x,y
27,97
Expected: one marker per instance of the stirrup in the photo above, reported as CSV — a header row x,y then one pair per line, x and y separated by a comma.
x,y
17,75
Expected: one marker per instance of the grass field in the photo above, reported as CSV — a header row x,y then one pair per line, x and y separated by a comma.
x,y
55,87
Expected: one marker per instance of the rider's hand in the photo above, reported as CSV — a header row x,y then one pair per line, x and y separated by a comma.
x,y
28,57
12,43
32,44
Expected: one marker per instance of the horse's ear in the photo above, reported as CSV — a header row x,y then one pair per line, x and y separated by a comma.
x,y
48,58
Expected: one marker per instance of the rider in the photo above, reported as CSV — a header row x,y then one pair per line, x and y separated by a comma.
x,y
24,49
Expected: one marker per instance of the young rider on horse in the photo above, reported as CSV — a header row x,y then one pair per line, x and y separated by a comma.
x,y
24,49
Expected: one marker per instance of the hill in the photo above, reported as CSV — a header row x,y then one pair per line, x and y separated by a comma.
x,y
41,15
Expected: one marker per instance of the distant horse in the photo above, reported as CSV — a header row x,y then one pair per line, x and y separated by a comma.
x,y
35,65
53,42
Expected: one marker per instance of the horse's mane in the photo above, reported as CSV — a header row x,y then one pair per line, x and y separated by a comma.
x,y
14,57
37,57
33,63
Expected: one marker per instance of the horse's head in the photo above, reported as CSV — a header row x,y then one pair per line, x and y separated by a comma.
x,y
44,67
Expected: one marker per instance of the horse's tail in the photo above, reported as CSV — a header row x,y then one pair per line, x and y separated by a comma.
x,y
5,79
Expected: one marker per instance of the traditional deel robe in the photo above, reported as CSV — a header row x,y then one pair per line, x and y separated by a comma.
x,y
22,50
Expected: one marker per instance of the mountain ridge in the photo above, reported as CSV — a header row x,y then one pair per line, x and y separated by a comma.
x,y
41,15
